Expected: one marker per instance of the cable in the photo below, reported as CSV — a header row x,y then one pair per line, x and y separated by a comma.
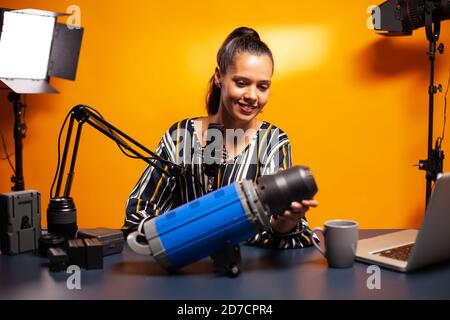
x,y
24,108
59,152
6,158
441,138
7,155
114,134
188,172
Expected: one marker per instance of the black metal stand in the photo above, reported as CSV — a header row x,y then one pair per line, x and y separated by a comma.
x,y
61,212
228,261
82,115
19,135
434,164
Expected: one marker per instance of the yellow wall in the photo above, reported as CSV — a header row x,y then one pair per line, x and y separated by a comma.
x,y
353,103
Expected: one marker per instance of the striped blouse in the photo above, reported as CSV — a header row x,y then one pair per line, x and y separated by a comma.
x,y
155,194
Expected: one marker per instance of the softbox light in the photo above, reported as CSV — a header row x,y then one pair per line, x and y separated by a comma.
x,y
34,47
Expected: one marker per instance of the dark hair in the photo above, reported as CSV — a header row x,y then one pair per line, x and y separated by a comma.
x,y
242,39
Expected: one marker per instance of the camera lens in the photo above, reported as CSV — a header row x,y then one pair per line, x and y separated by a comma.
x,y
62,217
278,191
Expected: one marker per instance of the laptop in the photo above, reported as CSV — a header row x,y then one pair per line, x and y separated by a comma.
x,y
409,250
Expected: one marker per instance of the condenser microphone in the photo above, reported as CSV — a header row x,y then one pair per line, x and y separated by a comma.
x,y
213,153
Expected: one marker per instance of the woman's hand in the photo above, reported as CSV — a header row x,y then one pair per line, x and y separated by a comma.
x,y
288,220
298,210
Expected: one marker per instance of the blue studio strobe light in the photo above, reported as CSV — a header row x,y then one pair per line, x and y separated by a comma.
x,y
231,214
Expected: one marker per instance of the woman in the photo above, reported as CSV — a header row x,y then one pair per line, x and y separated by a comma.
x,y
238,91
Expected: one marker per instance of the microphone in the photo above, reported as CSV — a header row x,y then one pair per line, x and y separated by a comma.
x,y
214,153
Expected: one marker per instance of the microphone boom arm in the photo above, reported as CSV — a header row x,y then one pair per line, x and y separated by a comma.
x,y
84,114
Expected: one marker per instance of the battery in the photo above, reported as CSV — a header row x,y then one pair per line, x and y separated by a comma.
x,y
94,253
76,252
111,239
20,221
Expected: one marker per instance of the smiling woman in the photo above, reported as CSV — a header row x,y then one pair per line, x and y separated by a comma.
x,y
238,91
244,87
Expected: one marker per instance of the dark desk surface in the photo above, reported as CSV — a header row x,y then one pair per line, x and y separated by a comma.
x,y
266,274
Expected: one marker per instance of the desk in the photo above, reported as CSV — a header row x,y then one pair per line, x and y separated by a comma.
x,y
280,275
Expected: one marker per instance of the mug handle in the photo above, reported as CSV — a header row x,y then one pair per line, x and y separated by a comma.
x,y
136,246
318,229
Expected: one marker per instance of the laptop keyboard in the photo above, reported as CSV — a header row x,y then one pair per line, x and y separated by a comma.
x,y
398,253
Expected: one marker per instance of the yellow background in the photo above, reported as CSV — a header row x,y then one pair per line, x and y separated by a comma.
x,y
353,103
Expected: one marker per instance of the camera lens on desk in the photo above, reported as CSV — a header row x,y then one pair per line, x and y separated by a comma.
x,y
62,217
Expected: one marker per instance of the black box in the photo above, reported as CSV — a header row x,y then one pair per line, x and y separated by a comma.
x,y
76,252
94,253
111,239
58,259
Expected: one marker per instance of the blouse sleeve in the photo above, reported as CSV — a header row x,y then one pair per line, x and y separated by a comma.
x,y
153,193
300,237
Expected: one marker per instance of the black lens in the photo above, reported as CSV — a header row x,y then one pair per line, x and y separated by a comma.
x,y
62,217
278,191
401,17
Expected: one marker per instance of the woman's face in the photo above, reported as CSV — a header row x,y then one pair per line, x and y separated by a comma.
x,y
246,85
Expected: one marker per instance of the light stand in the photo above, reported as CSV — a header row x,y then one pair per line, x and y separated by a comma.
x,y
34,48
19,134
434,164
61,211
